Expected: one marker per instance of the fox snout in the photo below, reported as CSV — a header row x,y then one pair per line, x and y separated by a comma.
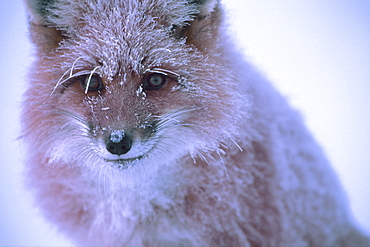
x,y
118,142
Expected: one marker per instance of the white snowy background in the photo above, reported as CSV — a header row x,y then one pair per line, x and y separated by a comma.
x,y
316,52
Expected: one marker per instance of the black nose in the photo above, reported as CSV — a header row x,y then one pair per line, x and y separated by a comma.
x,y
118,142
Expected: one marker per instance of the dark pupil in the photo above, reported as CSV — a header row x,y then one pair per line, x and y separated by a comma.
x,y
156,80
93,84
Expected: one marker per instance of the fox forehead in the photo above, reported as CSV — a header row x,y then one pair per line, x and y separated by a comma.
x,y
68,12
131,36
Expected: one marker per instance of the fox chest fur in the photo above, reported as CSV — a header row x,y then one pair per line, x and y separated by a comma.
x,y
145,127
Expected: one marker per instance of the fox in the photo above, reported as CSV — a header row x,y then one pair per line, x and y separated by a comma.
x,y
144,125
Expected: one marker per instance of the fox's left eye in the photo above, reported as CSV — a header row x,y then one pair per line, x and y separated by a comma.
x,y
92,83
154,81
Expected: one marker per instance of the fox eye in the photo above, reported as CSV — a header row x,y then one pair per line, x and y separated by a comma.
x,y
92,83
154,81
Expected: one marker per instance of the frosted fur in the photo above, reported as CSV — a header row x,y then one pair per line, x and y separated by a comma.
x,y
218,158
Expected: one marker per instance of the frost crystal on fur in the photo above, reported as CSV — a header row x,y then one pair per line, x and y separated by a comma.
x,y
145,127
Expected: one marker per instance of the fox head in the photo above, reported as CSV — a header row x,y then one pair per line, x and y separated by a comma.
x,y
129,83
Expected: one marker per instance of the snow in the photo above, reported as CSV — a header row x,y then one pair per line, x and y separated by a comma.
x,y
117,135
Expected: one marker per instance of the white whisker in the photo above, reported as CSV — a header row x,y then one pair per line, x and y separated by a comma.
x,y
60,81
73,65
236,144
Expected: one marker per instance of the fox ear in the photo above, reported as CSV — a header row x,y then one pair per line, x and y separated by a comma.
x,y
203,30
39,10
43,33
205,7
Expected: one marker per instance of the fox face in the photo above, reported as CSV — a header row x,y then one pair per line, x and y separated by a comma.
x,y
127,84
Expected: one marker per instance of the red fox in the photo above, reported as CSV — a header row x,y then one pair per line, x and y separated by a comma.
x,y
145,127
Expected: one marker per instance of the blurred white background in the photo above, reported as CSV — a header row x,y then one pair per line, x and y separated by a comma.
x,y
316,52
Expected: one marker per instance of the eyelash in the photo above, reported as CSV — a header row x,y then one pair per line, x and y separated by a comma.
x,y
93,80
